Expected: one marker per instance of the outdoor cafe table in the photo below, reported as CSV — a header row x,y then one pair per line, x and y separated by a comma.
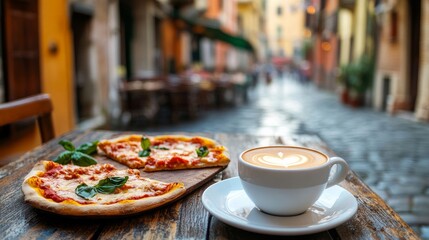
x,y
185,218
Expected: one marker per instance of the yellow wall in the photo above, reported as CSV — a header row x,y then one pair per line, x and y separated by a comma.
x,y
291,21
422,110
345,26
56,74
250,13
360,28
57,68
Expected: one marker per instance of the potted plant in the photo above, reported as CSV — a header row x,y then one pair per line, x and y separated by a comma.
x,y
356,79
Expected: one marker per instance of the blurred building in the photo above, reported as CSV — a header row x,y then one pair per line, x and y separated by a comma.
x,y
376,48
356,29
82,51
251,24
343,43
37,57
284,26
402,76
321,28
96,35
226,57
206,36
357,50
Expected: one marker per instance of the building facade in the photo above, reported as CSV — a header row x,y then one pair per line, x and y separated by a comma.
x,y
48,64
81,51
401,83
284,26
323,17
251,23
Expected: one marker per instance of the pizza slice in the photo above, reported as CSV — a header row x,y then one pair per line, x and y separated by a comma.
x,y
124,149
97,190
166,152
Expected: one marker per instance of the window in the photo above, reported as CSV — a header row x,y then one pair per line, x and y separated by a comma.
x,y
279,11
21,74
279,31
20,68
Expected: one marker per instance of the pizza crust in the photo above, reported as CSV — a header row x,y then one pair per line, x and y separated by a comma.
x,y
181,167
72,208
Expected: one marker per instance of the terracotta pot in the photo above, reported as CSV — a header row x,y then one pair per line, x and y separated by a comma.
x,y
356,101
344,95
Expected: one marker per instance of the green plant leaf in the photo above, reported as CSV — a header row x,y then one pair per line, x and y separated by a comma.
x,y
85,191
67,145
64,158
88,148
82,159
109,185
202,151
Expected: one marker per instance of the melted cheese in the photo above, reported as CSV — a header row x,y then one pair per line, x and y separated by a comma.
x,y
59,184
167,152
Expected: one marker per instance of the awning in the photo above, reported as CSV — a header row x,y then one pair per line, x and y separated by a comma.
x,y
210,28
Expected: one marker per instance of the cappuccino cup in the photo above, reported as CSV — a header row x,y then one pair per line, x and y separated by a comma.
x,y
287,180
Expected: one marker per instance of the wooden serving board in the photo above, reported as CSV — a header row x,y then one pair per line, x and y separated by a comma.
x,y
191,178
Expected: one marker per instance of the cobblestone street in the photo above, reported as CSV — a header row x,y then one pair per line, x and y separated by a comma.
x,y
390,153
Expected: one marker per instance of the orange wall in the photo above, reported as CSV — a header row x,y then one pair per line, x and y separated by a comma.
x,y
213,9
57,67
56,74
171,45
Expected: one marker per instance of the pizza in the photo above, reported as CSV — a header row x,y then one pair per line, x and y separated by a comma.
x,y
165,152
76,184
96,190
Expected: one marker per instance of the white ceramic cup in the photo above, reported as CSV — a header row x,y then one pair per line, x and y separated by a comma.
x,y
288,192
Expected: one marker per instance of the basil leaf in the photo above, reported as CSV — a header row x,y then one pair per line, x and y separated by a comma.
x,y
64,158
202,151
109,185
106,186
79,156
88,148
67,145
144,153
145,143
85,191
160,148
82,159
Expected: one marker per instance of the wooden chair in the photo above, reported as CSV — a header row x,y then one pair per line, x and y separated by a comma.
x,y
39,106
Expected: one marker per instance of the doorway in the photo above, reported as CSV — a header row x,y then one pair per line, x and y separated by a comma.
x,y
126,23
83,83
414,51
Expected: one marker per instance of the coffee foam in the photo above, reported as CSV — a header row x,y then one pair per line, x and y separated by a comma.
x,y
284,158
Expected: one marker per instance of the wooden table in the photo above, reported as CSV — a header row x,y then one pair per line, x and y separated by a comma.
x,y
185,218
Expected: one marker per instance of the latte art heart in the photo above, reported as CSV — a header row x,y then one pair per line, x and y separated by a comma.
x,y
288,161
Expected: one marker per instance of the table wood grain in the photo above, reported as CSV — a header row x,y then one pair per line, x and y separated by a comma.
x,y
185,218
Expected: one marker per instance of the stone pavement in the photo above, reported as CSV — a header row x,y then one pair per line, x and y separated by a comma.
x,y
391,154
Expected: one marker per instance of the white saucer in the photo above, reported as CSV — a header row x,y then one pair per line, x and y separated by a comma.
x,y
228,202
